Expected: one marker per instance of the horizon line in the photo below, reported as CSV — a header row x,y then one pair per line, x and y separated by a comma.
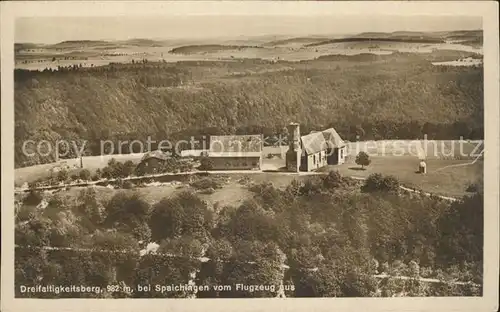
x,y
228,37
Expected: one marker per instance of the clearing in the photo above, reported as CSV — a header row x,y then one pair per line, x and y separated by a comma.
x,y
439,179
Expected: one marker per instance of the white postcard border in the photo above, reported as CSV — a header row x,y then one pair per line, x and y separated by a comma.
x,y
487,10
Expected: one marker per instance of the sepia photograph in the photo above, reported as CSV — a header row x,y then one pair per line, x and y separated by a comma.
x,y
229,155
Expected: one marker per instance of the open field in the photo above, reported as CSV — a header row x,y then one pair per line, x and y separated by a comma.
x,y
97,53
443,177
425,149
232,193
447,174
439,179
92,163
44,60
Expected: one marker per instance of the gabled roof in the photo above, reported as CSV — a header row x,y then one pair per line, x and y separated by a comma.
x,y
155,154
333,138
313,142
235,146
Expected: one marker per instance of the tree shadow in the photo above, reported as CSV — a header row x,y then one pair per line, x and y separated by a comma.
x,y
280,169
357,168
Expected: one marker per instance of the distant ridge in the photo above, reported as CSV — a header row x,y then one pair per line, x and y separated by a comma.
x,y
360,39
143,42
295,40
79,43
188,49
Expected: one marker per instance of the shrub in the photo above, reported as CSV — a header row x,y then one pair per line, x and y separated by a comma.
x,y
186,166
258,188
33,198
62,175
311,187
128,168
34,184
209,190
376,182
107,173
116,169
472,188
205,183
171,165
26,213
89,206
332,180
363,159
245,180
373,182
206,163
84,174
293,189
390,184
127,185
74,177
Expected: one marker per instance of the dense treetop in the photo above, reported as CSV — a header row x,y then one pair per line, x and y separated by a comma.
x,y
331,233
401,96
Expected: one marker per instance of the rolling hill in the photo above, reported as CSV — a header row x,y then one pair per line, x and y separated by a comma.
x,y
295,40
209,48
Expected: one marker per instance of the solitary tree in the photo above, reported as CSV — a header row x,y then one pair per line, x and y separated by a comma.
x,y
363,159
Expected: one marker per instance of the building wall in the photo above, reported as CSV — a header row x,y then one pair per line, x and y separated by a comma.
x,y
332,156
292,157
314,161
342,153
236,163
337,156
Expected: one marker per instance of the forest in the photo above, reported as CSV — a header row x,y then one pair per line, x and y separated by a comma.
x,y
326,236
401,96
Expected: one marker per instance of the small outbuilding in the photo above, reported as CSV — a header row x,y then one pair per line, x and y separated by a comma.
x,y
152,162
422,167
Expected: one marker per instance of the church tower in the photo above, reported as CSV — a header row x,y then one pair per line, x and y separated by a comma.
x,y
293,155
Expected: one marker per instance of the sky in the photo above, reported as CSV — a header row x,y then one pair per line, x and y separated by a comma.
x,y
57,29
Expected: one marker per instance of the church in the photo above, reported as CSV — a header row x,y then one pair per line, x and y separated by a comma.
x,y
314,150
